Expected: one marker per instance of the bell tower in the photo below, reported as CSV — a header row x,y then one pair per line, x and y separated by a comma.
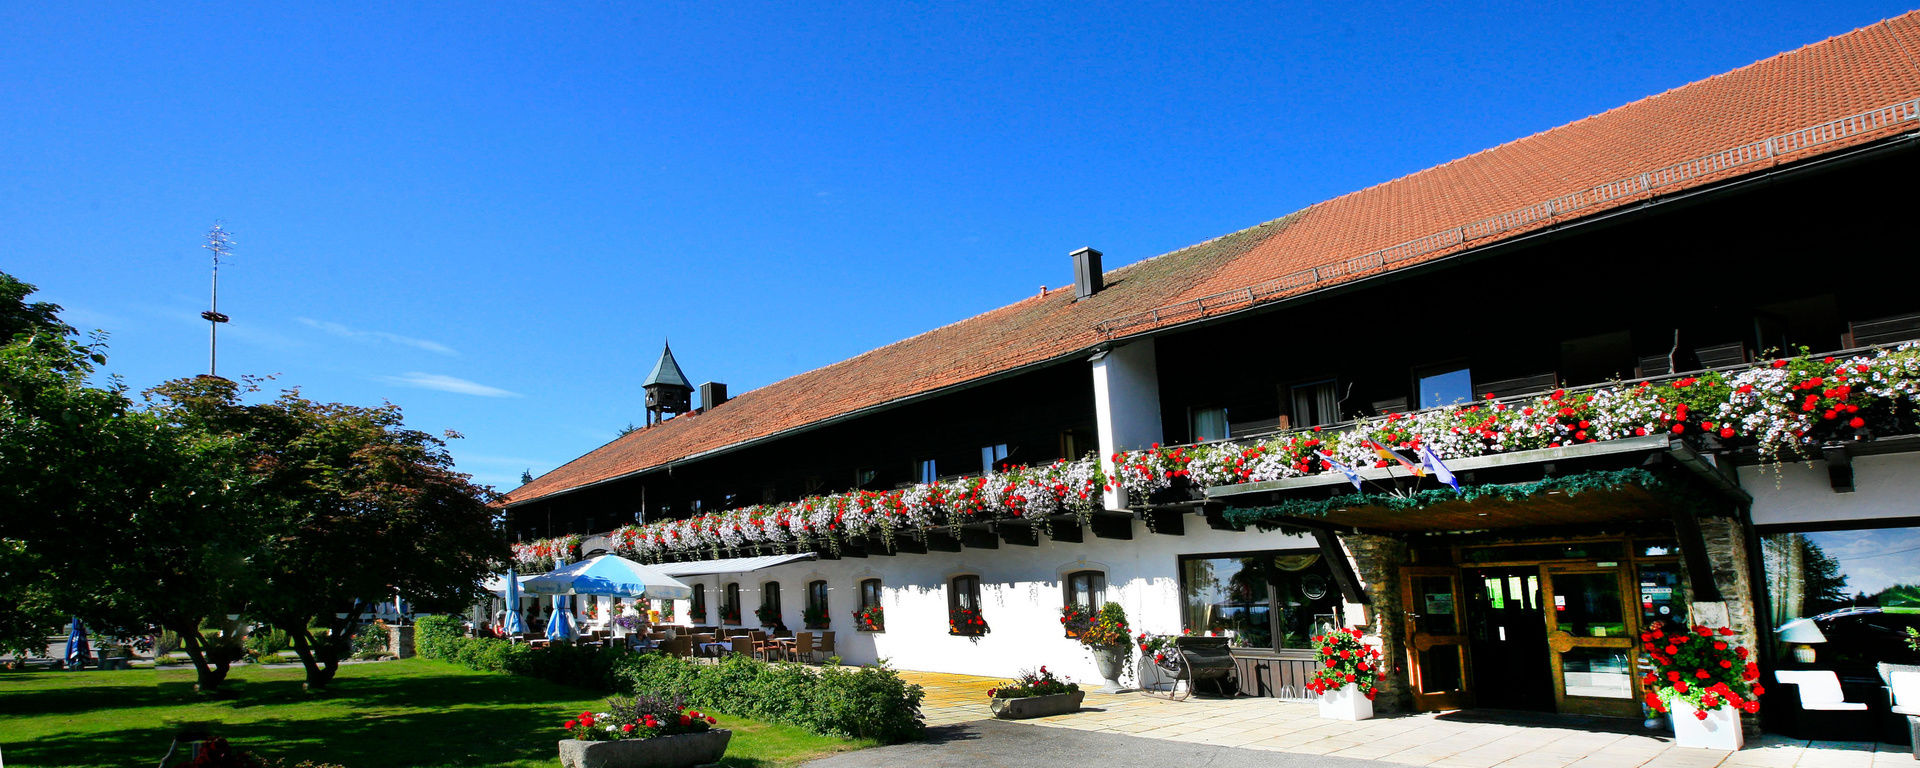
x,y
668,390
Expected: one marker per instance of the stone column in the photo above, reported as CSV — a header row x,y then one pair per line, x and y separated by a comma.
x,y
1377,561
400,641
1726,544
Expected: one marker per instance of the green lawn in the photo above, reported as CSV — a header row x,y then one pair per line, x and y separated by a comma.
x,y
396,713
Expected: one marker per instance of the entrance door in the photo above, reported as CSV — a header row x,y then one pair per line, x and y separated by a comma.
x,y
1437,660
1592,636
1507,639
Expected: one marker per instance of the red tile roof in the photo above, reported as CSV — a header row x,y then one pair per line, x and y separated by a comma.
x,y
1728,125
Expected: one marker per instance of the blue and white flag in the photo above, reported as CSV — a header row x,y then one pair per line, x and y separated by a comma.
x,y
1431,461
1344,469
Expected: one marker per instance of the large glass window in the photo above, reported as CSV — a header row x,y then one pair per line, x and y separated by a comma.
x,y
698,612
1209,424
816,613
1844,600
1314,404
1260,600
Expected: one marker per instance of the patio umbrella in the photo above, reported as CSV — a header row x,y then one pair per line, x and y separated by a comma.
x,y
514,625
77,652
609,575
560,627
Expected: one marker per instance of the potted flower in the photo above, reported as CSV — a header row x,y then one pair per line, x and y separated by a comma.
x,y
1109,639
642,731
966,622
870,619
1075,619
1703,680
729,613
1347,676
767,615
815,617
1036,694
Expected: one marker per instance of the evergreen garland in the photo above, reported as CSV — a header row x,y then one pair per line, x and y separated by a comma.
x,y
1274,515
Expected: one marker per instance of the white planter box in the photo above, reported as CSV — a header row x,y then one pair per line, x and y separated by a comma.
x,y
1721,729
1347,703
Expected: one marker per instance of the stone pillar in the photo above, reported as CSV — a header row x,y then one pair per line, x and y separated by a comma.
x,y
1126,405
1726,544
400,641
1377,561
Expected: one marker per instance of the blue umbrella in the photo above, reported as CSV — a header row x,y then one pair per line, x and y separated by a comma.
x,y
610,575
77,653
514,625
560,627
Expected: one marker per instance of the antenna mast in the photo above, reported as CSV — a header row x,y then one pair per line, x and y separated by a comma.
x,y
221,244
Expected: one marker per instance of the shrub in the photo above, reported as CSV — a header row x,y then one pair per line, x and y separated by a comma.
x,y
870,702
262,644
166,643
432,633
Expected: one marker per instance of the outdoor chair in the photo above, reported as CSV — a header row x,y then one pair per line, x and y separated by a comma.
x,y
802,646
1903,692
743,645
825,646
681,646
1817,708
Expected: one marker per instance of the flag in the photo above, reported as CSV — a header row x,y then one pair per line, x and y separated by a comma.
x,y
1344,469
1387,453
1431,461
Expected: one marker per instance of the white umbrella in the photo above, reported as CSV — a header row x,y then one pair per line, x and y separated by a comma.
x,y
609,575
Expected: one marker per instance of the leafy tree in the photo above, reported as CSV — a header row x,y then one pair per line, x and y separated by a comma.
x,y
127,519
355,507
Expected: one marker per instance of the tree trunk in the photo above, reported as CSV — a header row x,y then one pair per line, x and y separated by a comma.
x,y
211,670
321,660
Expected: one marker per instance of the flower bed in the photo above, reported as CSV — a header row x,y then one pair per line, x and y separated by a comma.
x,y
1035,694
642,731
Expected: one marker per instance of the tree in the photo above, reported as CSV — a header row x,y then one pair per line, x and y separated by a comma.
x,y
356,507
526,476
123,519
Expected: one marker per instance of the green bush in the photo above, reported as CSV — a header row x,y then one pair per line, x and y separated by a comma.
x,y
432,636
267,642
870,702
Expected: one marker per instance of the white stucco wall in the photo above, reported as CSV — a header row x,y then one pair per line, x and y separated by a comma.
x,y
1885,486
1020,597
1126,404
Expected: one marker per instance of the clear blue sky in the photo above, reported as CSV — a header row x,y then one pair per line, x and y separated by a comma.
x,y
493,215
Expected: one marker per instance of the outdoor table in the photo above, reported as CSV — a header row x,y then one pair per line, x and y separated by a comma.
x,y
713,649
786,646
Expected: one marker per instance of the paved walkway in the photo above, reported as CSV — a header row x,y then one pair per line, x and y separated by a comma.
x,y
1444,740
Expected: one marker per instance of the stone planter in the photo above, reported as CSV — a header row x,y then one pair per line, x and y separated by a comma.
x,y
1721,729
1038,706
682,751
1110,659
1346,703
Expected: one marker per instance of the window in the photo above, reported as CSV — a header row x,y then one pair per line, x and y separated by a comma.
x,y
730,604
963,607
698,612
1314,404
1444,387
1260,600
816,616
864,477
1844,600
769,611
1208,424
992,457
869,617
1086,589
924,471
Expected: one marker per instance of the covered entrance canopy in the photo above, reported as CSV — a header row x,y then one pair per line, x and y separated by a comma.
x,y
1519,589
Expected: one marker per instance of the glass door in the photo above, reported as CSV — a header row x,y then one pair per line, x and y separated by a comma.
x,y
1437,659
1592,631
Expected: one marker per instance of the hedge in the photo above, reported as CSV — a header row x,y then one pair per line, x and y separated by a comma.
x,y
868,702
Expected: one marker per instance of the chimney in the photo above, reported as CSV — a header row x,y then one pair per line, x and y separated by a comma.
x,y
712,394
1086,273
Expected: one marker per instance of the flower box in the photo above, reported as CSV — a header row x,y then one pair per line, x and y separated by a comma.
x,y
682,751
1346,703
1038,706
1720,729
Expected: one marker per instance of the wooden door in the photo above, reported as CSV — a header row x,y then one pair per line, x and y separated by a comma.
x,y
1592,630
1438,665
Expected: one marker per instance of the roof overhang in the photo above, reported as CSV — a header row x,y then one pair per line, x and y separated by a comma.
x,y
1550,487
729,565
